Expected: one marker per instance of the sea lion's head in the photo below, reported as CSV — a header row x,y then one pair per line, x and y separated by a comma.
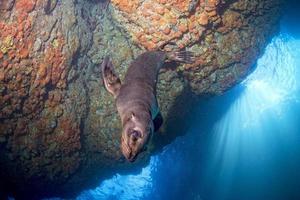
x,y
137,130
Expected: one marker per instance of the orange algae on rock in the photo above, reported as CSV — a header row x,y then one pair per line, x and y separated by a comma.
x,y
171,20
127,6
33,76
16,45
25,5
202,25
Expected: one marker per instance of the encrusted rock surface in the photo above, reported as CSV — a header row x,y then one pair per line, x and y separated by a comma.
x,y
227,36
58,126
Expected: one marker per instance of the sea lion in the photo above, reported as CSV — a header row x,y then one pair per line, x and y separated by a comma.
x,y
136,97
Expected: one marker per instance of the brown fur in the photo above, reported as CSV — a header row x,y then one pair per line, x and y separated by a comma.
x,y
136,102
136,97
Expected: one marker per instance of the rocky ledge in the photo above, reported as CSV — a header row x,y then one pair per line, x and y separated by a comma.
x,y
58,126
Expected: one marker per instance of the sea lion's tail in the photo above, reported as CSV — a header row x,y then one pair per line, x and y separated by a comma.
x,y
181,56
111,80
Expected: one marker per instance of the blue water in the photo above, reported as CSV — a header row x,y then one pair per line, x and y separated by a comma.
x,y
244,144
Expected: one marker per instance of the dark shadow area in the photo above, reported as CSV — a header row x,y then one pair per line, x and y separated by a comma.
x,y
185,112
177,120
290,22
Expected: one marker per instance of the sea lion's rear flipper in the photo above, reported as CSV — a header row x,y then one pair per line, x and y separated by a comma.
x,y
181,56
111,81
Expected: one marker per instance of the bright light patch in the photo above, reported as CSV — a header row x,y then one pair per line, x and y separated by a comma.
x,y
271,95
254,121
125,187
272,83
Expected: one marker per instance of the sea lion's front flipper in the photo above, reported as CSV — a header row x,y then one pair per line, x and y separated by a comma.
x,y
111,81
158,121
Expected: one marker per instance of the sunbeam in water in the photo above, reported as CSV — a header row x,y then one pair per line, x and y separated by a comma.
x,y
244,144
250,141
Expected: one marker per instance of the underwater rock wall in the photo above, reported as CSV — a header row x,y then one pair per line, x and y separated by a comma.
x,y
227,36
40,110
58,126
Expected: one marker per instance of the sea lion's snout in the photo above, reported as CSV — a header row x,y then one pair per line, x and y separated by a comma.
x,y
132,144
128,153
135,137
